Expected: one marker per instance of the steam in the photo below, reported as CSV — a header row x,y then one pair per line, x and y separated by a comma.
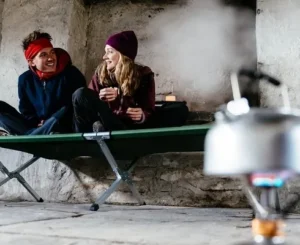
x,y
198,45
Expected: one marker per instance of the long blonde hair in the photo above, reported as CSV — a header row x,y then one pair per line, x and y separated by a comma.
x,y
126,74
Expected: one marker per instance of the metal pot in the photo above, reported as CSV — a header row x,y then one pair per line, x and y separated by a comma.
x,y
248,140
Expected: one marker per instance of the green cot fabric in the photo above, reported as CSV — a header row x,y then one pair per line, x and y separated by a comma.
x,y
41,138
124,145
149,133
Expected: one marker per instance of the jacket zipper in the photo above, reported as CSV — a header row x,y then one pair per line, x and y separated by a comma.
x,y
44,97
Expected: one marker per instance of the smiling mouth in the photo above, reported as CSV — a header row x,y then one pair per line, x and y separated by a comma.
x,y
50,64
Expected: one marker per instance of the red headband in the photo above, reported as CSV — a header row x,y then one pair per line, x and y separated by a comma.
x,y
36,46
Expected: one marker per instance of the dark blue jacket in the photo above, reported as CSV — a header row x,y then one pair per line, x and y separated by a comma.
x,y
41,99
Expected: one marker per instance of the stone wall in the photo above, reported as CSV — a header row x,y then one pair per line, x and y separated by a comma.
x,y
77,39
1,12
169,179
278,45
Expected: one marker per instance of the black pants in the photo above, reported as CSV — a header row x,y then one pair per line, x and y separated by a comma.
x,y
88,108
14,122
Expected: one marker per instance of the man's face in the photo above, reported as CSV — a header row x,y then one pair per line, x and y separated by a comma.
x,y
45,60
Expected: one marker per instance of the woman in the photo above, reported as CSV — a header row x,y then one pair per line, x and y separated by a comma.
x,y
121,94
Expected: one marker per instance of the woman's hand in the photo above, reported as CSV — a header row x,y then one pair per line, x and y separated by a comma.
x,y
135,114
108,94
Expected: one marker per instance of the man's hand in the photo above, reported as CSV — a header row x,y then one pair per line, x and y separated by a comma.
x,y
135,114
41,123
108,94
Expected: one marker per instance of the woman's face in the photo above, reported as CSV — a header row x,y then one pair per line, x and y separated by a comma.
x,y
111,57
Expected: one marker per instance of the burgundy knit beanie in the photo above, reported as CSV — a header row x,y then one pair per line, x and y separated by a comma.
x,y
125,42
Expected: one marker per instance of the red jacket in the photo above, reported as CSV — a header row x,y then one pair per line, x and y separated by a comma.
x,y
144,96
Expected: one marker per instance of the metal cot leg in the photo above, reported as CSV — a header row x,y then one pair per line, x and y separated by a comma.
x,y
16,174
121,176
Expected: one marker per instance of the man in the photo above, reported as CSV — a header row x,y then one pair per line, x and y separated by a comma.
x,y
45,90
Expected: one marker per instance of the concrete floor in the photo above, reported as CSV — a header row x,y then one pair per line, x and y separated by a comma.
x,y
66,224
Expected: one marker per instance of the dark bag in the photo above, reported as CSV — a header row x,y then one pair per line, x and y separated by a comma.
x,y
170,114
